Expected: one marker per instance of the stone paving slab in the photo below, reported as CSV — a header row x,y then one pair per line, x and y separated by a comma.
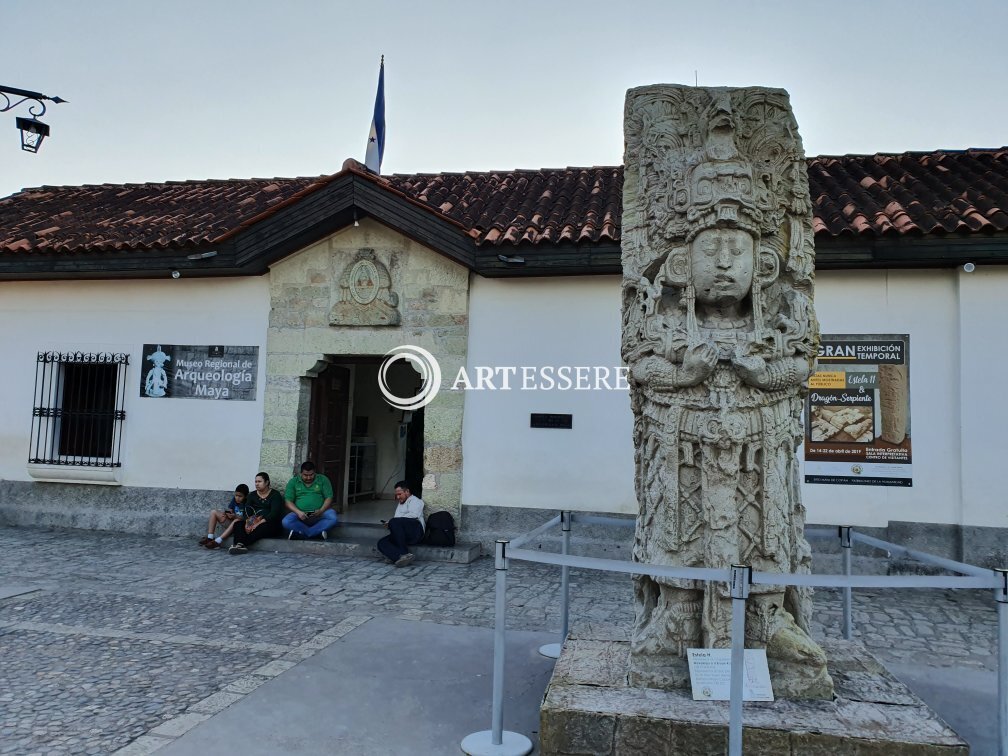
x,y
417,688
208,621
357,546
9,591
102,693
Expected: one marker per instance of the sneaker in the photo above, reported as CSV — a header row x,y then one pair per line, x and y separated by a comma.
x,y
212,545
404,560
238,549
292,536
325,535
203,541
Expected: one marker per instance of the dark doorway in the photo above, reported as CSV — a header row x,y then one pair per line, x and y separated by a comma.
x,y
359,441
414,453
327,426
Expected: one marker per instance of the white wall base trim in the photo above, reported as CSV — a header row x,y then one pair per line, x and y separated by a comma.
x,y
106,476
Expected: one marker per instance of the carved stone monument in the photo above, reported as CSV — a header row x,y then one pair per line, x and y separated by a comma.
x,y
720,336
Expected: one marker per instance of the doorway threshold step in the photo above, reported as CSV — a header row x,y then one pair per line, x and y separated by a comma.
x,y
348,530
340,545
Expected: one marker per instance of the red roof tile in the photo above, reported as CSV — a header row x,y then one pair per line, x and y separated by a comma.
x,y
546,206
913,193
110,217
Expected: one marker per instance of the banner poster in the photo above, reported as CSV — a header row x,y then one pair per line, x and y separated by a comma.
x,y
857,414
179,371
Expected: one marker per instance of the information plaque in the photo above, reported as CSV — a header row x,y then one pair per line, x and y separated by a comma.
x,y
546,420
710,674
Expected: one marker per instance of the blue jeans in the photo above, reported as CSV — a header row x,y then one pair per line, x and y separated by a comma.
x,y
328,520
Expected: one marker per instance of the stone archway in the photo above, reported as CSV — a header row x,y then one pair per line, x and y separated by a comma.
x,y
422,299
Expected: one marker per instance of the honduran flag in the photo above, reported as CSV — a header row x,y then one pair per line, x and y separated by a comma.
x,y
376,139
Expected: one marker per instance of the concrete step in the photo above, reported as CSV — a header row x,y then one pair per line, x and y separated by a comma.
x,y
351,529
341,545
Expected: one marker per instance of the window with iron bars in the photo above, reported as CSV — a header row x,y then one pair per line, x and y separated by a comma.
x,y
78,412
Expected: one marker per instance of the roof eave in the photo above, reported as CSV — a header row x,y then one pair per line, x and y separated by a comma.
x,y
313,214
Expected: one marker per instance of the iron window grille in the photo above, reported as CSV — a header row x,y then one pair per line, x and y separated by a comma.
x,y
78,411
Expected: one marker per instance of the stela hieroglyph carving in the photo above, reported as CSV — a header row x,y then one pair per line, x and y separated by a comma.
x,y
720,337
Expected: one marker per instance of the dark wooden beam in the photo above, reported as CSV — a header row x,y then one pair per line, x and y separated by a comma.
x,y
841,253
296,226
548,260
416,222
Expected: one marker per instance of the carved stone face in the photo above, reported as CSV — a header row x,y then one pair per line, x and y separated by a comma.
x,y
722,263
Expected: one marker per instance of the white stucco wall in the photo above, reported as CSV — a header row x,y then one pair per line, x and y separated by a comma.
x,y
922,303
983,361
167,443
957,350
546,322
956,353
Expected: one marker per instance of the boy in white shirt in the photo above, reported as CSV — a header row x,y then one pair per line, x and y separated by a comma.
x,y
405,528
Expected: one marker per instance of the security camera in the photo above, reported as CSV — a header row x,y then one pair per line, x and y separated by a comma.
x,y
176,274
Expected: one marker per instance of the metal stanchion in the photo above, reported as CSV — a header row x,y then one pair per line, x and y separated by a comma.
x,y
846,550
740,579
496,741
552,650
1001,594
565,524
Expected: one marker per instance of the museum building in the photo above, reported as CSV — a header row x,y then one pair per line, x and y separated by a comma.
x,y
164,341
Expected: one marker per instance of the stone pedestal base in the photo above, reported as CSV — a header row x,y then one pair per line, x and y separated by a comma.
x,y
589,708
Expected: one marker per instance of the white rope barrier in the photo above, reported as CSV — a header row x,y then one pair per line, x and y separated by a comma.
x,y
496,741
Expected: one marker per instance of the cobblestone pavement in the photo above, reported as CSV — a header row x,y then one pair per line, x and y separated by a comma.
x,y
127,639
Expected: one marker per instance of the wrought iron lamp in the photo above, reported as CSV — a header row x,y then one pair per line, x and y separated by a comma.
x,y
33,131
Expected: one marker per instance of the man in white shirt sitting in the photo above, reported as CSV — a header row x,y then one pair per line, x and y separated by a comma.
x,y
405,528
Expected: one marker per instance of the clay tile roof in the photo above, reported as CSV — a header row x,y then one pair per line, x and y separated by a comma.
x,y
136,216
544,206
913,193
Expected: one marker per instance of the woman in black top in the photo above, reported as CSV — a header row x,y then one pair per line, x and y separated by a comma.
x,y
264,508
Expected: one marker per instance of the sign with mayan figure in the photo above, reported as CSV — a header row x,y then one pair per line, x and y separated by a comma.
x,y
720,337
857,414
183,371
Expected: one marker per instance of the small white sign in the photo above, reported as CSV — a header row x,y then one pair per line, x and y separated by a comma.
x,y
710,674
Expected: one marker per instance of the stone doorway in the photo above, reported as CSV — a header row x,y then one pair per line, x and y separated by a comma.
x,y
322,313
361,443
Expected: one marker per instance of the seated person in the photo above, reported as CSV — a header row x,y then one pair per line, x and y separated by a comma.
x,y
228,517
263,509
405,528
309,498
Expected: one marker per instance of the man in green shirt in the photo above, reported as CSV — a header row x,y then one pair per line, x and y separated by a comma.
x,y
309,498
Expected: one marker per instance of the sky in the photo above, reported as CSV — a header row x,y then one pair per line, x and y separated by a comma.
x,y
196,89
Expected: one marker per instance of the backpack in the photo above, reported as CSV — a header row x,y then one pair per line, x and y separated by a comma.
x,y
440,529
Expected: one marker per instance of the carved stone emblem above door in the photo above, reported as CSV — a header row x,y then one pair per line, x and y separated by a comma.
x,y
365,294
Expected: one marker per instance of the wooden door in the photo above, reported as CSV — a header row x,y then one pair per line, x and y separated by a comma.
x,y
327,426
